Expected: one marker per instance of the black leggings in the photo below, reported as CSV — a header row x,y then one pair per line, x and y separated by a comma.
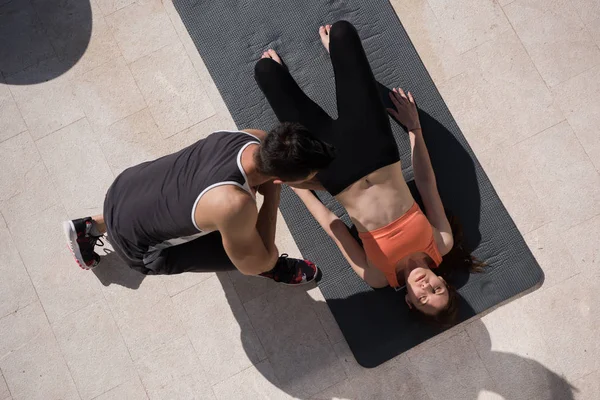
x,y
362,134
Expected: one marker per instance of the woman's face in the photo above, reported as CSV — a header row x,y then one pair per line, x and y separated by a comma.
x,y
425,290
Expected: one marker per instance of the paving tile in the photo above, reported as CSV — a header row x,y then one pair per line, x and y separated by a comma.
x,y
469,23
197,132
108,93
581,240
132,390
567,318
83,176
25,186
24,39
554,36
136,139
328,322
4,392
141,28
478,123
250,287
172,89
30,354
501,68
257,382
551,251
594,29
131,141
110,6
60,284
174,372
454,360
523,368
588,10
588,387
435,48
219,328
47,106
354,370
297,345
395,381
146,316
512,88
11,122
557,166
16,289
578,100
79,33
506,168
208,83
94,350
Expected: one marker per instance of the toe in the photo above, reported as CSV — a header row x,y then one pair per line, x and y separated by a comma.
x,y
274,55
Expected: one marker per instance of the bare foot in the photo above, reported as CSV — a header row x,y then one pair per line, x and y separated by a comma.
x,y
324,33
272,54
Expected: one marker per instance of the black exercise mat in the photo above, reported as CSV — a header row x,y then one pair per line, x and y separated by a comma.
x,y
231,35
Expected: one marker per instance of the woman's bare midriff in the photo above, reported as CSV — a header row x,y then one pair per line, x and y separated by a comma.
x,y
377,199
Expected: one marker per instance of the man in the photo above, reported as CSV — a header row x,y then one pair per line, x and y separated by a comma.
x,y
195,210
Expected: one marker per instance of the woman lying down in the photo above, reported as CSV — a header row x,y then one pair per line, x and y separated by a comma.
x,y
402,246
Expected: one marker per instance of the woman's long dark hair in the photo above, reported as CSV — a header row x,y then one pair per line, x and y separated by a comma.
x,y
458,260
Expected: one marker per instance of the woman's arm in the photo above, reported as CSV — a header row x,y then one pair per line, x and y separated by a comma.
x,y
337,230
406,112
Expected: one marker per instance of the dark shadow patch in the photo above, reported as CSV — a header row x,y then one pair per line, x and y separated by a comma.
x,y
113,271
42,39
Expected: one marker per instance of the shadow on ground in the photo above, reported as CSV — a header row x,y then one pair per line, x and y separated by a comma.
x,y
42,39
113,270
299,375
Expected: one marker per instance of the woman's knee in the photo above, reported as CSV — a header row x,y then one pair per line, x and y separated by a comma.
x,y
342,30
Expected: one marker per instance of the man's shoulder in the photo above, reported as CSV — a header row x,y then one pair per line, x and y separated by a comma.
x,y
227,202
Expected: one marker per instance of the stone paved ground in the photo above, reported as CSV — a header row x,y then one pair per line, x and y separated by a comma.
x,y
522,77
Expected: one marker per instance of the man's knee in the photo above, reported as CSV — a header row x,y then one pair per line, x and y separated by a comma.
x,y
343,30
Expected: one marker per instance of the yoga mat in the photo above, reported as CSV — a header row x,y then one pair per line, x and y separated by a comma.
x,y
231,35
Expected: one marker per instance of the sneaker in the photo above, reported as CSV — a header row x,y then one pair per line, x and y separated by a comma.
x,y
81,242
292,271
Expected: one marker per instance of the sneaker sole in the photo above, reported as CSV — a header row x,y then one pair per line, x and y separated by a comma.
x,y
294,284
71,236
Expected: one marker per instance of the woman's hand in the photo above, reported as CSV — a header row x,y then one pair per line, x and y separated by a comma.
x,y
405,109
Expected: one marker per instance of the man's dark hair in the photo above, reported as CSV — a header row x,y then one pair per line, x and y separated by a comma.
x,y
291,153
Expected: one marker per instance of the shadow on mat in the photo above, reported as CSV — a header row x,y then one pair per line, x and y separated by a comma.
x,y
303,368
113,270
42,39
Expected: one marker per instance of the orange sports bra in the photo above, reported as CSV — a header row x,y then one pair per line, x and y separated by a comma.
x,y
411,233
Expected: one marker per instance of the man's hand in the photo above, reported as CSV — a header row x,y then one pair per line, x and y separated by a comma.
x,y
269,189
405,109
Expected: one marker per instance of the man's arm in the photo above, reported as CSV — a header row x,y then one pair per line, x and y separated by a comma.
x,y
266,223
238,222
261,135
337,230
406,112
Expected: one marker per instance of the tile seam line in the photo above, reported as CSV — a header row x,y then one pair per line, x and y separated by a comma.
x,y
10,395
185,50
62,356
525,48
133,365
